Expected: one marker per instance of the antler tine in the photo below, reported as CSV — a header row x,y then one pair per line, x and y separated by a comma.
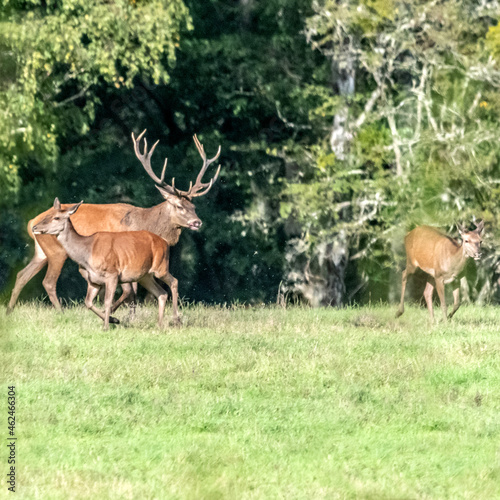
x,y
163,170
145,158
199,185
199,147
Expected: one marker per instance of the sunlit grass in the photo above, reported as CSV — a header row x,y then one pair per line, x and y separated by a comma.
x,y
256,403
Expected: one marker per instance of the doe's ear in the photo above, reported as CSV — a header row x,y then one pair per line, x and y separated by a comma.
x,y
461,228
479,227
57,204
74,208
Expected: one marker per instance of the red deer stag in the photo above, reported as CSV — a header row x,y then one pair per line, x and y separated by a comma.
x,y
107,259
166,220
442,258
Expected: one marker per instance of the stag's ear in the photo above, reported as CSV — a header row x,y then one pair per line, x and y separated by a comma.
x,y
168,195
74,208
479,227
57,204
461,228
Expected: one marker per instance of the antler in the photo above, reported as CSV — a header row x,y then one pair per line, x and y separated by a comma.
x,y
145,159
193,191
198,185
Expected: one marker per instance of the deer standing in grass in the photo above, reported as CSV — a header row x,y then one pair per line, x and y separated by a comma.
x,y
443,259
166,220
107,259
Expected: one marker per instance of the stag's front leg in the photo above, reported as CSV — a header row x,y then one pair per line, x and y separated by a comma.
x,y
456,299
442,298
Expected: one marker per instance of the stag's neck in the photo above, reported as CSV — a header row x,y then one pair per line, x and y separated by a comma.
x,y
157,220
78,247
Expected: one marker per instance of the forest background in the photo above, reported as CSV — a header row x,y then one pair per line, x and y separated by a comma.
x,y
343,124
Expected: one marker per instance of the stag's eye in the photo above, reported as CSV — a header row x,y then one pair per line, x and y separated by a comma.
x,y
57,218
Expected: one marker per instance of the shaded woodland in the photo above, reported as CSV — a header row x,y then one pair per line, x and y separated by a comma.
x,y
343,124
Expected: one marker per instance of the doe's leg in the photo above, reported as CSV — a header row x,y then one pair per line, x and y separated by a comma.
x,y
404,278
111,285
173,285
442,298
456,299
92,291
429,289
93,295
149,283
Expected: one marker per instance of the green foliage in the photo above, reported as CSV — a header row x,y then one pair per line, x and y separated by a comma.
x,y
342,124
58,55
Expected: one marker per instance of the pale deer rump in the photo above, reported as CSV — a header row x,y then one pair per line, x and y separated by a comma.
x,y
129,255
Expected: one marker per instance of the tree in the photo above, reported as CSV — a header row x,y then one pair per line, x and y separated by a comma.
x,y
56,55
412,140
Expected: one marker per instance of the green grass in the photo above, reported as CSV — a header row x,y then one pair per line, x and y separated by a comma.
x,y
255,403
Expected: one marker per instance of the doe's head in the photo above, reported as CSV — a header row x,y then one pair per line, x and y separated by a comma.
x,y
472,240
55,222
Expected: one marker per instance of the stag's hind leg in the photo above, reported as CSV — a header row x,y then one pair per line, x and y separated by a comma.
x,y
57,257
35,265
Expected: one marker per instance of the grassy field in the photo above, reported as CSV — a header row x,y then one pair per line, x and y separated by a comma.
x,y
255,403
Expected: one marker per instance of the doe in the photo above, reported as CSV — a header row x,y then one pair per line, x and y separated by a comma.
x,y
443,259
106,259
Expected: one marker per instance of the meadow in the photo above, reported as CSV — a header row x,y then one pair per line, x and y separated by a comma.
x,y
254,403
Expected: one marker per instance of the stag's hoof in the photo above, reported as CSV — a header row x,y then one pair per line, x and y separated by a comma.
x,y
114,320
399,313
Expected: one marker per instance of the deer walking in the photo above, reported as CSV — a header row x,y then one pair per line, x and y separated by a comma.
x,y
166,220
106,259
443,259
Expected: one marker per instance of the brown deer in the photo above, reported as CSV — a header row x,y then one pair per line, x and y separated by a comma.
x,y
443,259
166,220
107,259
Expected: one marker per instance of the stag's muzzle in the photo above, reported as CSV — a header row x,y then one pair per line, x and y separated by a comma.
x,y
194,225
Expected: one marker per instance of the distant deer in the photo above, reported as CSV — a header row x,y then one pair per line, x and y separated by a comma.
x,y
106,259
443,259
166,220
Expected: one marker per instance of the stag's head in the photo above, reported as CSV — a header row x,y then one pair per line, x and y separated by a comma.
x,y
472,240
182,210
55,222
